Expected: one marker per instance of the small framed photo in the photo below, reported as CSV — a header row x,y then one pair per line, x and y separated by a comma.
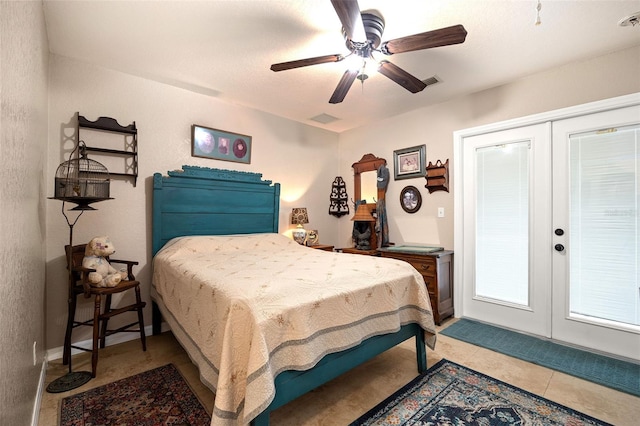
x,y
312,237
220,145
409,162
410,199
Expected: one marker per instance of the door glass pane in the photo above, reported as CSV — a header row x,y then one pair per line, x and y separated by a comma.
x,y
604,254
502,223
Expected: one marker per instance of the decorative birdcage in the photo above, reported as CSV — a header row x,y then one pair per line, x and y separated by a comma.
x,y
81,180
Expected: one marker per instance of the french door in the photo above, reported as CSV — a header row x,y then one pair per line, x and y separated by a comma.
x,y
548,228
596,256
506,211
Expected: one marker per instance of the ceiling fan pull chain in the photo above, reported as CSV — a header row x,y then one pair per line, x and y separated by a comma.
x,y
538,8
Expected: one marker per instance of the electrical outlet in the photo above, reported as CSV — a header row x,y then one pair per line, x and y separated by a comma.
x,y
35,358
440,211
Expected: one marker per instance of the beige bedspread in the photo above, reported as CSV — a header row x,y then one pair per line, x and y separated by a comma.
x,y
248,307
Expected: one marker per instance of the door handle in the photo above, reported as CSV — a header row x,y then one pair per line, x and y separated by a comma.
x,y
559,247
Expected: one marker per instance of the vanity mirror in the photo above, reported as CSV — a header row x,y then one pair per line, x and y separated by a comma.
x,y
366,188
367,182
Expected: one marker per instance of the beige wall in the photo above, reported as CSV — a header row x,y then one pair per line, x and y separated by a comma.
x,y
23,144
604,77
301,158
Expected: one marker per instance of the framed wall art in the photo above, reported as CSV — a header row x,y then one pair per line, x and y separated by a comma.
x,y
409,162
410,199
220,145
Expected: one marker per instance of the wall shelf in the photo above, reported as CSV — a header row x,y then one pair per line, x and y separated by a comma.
x,y
108,124
437,176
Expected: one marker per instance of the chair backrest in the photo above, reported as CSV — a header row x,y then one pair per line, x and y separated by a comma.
x,y
75,255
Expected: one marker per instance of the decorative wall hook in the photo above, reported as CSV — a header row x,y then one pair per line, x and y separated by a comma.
x,y
339,200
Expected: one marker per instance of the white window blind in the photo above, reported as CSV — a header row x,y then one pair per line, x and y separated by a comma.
x,y
604,255
502,223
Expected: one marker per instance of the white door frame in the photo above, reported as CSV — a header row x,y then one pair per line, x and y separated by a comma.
x,y
459,169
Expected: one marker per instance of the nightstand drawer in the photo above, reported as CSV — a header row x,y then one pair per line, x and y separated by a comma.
x,y
426,267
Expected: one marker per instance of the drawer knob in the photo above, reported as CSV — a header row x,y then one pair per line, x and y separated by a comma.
x,y
426,267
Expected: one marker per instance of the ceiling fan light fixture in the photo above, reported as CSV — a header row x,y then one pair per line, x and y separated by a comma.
x,y
354,62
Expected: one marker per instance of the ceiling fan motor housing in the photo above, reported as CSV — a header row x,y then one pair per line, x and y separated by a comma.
x,y
373,28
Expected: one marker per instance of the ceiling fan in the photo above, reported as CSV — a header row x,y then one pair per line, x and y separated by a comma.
x,y
363,34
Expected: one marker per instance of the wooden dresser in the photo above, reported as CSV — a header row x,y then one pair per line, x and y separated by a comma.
x,y
437,270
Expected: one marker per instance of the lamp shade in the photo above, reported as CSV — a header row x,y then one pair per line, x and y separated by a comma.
x,y
363,214
299,216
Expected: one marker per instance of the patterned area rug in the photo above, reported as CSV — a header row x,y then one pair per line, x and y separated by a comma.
x,y
450,394
157,397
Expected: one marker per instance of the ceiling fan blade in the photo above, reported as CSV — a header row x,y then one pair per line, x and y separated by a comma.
x,y
306,62
401,77
343,87
443,37
349,13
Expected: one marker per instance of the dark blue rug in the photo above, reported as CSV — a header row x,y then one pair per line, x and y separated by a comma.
x,y
450,394
607,371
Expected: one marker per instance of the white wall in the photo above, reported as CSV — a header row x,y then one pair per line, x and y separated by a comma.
x,y
603,77
301,158
23,144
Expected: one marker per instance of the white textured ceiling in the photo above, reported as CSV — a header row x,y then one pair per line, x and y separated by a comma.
x,y
224,48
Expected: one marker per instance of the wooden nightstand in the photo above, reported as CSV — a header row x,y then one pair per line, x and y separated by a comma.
x,y
324,247
356,251
437,270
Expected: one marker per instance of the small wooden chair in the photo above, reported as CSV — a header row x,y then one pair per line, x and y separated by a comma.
x,y
79,284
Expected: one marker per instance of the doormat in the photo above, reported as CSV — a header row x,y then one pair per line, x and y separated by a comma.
x,y
156,397
611,372
450,394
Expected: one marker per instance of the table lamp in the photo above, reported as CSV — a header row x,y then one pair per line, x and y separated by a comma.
x,y
299,217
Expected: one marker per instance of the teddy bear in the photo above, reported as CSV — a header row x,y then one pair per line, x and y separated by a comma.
x,y
95,254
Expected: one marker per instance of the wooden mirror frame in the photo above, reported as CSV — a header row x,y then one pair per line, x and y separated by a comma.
x,y
368,163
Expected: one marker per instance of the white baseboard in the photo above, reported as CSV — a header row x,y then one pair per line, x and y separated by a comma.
x,y
56,353
38,402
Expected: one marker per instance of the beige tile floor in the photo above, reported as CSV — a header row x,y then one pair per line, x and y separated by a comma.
x,y
344,399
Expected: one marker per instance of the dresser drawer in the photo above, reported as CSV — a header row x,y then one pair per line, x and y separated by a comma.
x,y
431,284
426,266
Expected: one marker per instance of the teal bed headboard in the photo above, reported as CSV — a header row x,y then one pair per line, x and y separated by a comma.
x,y
206,201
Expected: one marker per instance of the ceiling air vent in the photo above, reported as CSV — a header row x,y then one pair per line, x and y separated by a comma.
x,y
432,80
324,118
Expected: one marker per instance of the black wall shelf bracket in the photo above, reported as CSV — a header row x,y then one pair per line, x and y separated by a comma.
x,y
108,124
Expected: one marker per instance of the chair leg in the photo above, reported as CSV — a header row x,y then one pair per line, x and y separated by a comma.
x,y
105,321
71,315
143,338
96,335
